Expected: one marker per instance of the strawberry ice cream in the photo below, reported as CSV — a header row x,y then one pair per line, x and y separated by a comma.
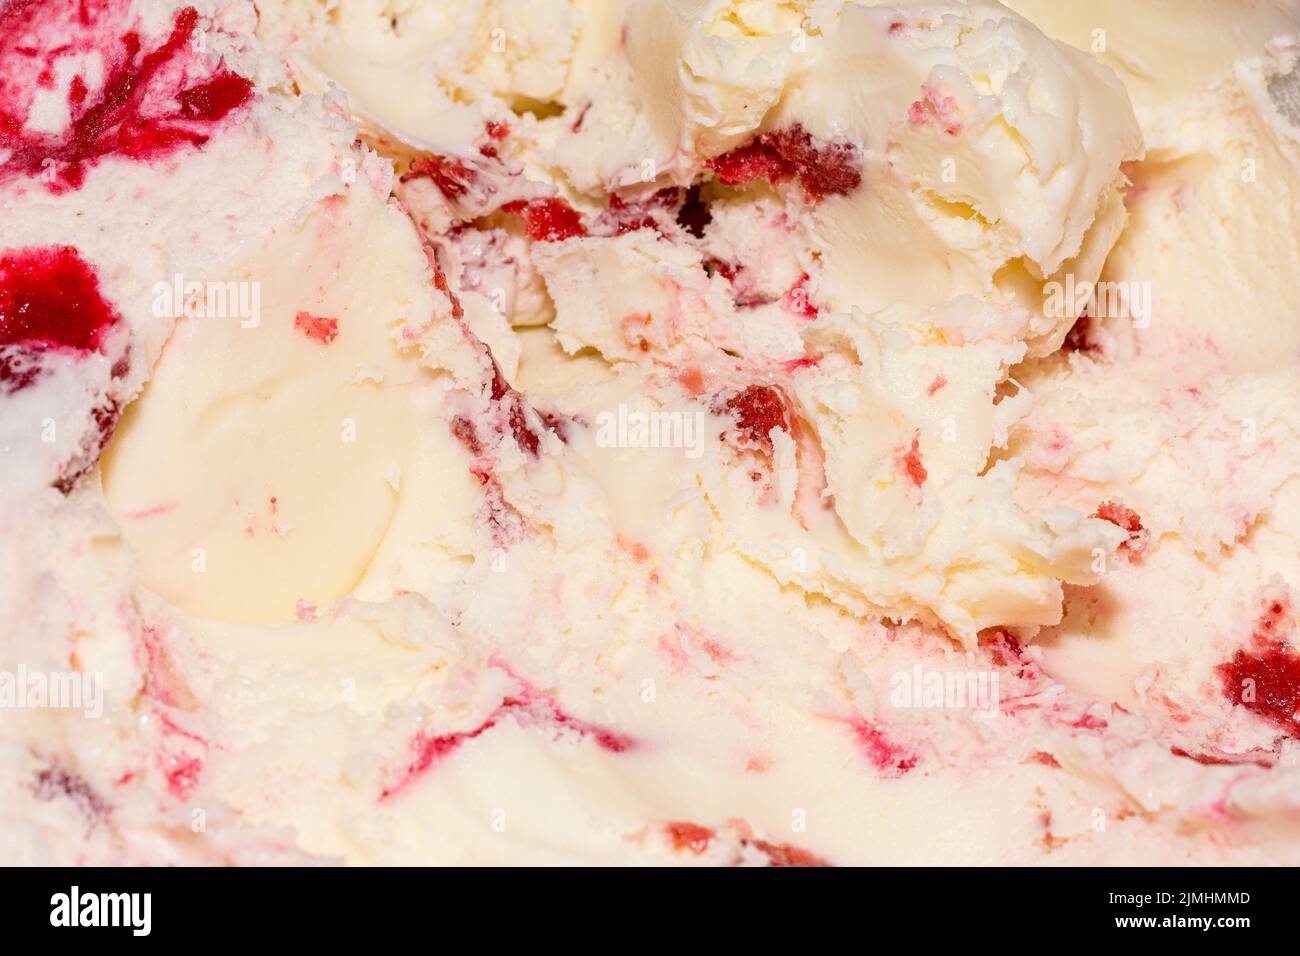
x,y
689,432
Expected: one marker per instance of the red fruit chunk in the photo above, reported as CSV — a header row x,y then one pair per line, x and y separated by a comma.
x,y
442,285
757,159
500,387
1005,651
886,756
213,100
797,301
182,772
757,410
1128,519
938,109
910,464
316,327
548,220
830,169
623,217
1265,679
689,836
526,438
77,91
50,299
453,177
467,435
120,118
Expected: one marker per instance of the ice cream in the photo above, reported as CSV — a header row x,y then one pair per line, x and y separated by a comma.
x,y
1199,441
654,431
1212,209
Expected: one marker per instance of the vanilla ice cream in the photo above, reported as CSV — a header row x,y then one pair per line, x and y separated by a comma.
x,y
726,432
